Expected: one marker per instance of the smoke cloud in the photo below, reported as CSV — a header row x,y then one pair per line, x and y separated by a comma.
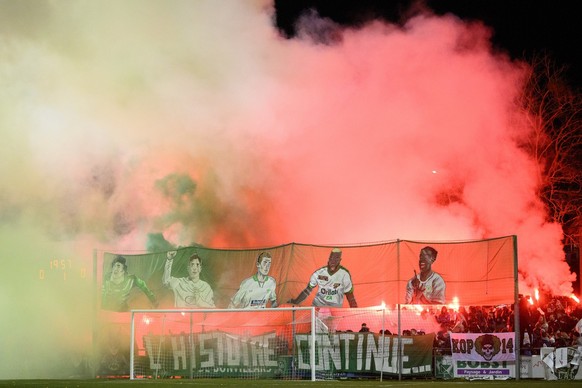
x,y
197,122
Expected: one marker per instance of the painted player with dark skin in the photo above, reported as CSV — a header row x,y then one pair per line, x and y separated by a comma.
x,y
333,282
427,287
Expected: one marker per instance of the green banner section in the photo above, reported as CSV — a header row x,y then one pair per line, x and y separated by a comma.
x,y
218,353
444,367
366,352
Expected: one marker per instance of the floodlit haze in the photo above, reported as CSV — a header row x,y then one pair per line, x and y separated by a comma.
x,y
196,120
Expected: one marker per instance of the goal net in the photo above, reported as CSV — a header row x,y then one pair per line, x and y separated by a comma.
x,y
252,344
380,342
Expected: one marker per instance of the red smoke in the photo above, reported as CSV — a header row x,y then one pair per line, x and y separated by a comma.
x,y
220,132
197,122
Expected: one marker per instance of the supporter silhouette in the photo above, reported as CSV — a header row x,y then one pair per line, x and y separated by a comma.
x,y
444,318
460,322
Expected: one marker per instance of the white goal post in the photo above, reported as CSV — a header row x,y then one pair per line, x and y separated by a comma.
x,y
237,343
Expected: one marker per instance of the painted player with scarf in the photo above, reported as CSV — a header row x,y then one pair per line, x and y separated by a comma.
x,y
427,287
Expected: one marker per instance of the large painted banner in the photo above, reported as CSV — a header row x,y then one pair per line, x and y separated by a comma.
x,y
220,353
483,347
397,272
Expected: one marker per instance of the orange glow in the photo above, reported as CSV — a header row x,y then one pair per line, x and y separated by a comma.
x,y
294,142
574,297
537,294
419,308
530,300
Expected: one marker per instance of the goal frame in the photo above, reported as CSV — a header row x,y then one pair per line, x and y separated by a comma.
x,y
202,311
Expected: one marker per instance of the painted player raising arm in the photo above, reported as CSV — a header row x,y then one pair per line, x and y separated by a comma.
x,y
190,291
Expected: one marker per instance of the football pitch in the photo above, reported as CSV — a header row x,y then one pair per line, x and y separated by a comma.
x,y
223,382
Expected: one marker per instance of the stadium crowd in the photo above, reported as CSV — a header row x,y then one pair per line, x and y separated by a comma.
x,y
556,323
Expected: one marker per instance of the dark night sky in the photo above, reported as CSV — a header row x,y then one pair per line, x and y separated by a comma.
x,y
521,27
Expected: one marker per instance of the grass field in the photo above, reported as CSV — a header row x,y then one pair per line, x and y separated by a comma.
x,y
223,382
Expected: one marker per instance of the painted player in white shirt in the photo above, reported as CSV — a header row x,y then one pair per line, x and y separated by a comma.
x,y
191,291
427,287
256,291
333,282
